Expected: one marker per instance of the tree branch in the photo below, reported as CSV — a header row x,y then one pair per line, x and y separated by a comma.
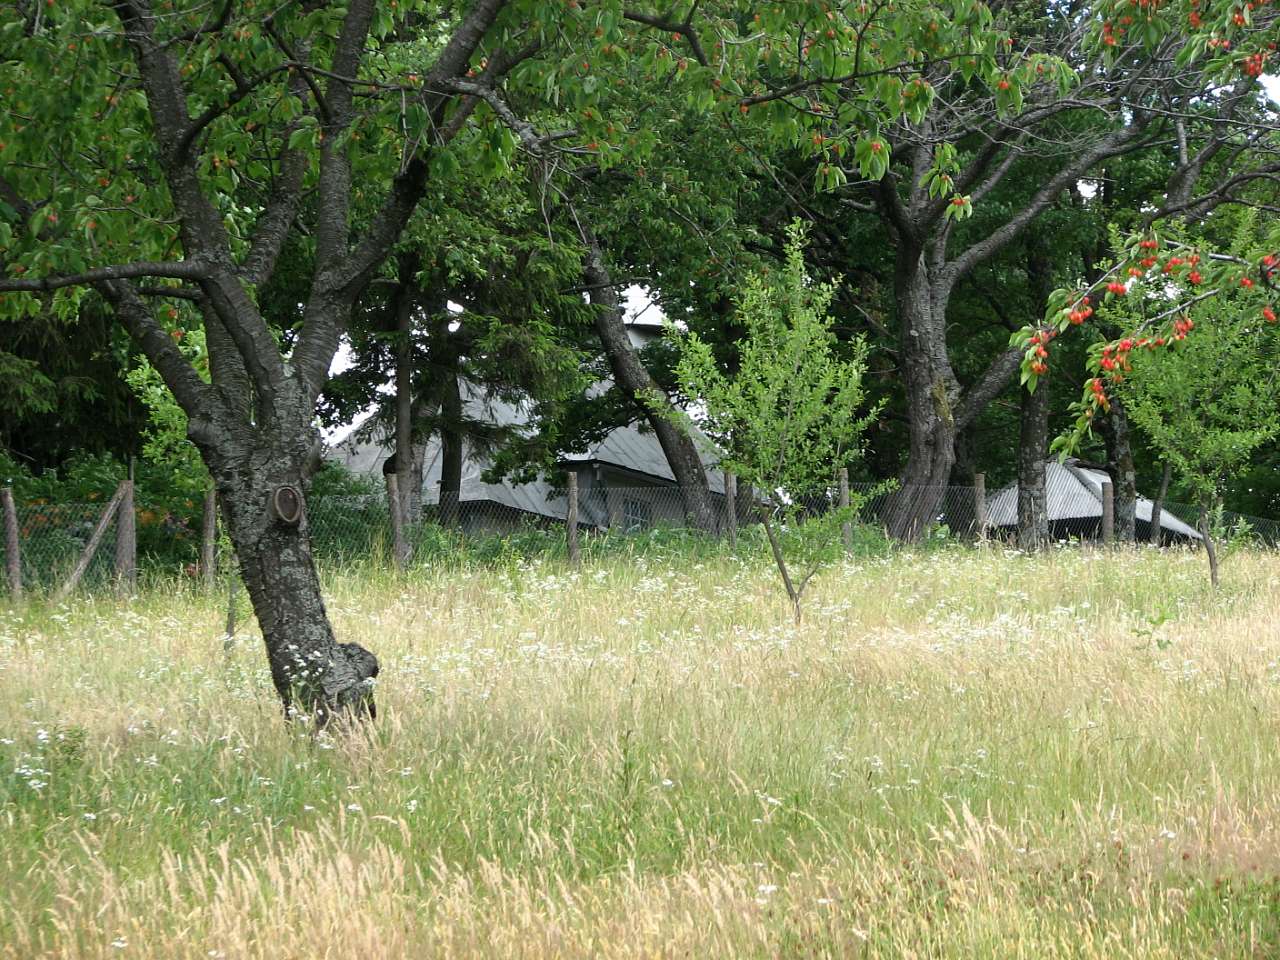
x,y
684,29
194,270
1112,145
192,393
987,387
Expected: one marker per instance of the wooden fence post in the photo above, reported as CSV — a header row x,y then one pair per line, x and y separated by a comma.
x,y
980,504
91,547
126,541
731,508
1108,512
229,638
12,547
571,518
846,528
209,539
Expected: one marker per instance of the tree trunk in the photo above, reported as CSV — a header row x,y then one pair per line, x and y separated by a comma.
x,y
1033,432
313,674
779,558
414,497
402,305
1033,442
451,453
1157,506
1210,548
637,385
931,393
1117,435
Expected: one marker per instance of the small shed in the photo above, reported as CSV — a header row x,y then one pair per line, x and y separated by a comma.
x,y
1073,494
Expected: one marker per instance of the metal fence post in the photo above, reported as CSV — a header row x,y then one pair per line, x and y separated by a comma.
x,y
980,504
126,541
571,518
1108,512
846,528
731,508
12,547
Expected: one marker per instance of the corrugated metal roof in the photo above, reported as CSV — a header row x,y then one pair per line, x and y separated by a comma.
x,y
1075,492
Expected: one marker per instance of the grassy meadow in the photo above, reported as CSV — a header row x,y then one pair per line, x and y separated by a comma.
x,y
961,753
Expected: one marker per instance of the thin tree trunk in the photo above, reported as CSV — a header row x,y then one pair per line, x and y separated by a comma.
x,y
1211,548
846,528
1157,506
403,306
1033,432
639,387
571,519
780,559
451,454
1117,434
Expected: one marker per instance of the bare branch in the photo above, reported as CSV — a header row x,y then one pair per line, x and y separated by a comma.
x,y
192,393
682,28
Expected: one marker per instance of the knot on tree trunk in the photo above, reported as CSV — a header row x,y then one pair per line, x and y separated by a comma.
x,y
356,698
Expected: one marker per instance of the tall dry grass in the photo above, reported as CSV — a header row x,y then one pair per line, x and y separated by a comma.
x,y
960,753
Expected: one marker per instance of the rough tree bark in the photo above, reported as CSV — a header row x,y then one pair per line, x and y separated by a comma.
x,y
311,671
638,386
1117,434
932,393
1033,436
253,423
1033,433
925,276
402,313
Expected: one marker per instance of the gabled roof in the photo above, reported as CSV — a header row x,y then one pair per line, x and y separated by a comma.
x,y
628,448
1074,492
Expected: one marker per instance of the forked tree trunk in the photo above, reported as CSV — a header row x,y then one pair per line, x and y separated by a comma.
x,y
639,387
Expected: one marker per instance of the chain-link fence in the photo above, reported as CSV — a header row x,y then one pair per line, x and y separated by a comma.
x,y
483,520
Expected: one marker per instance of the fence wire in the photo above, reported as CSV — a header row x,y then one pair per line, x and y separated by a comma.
x,y
493,519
